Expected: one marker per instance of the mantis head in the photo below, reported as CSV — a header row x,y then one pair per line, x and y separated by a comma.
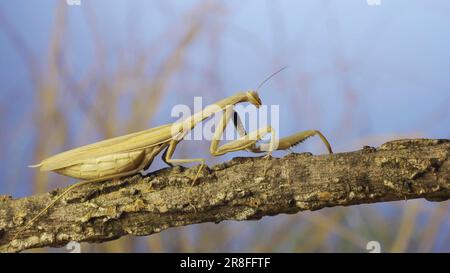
x,y
252,95
253,98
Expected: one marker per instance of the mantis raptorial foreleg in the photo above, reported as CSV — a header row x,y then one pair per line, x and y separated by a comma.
x,y
292,140
285,142
236,145
246,141
242,143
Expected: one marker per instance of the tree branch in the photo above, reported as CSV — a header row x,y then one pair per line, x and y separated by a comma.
x,y
235,190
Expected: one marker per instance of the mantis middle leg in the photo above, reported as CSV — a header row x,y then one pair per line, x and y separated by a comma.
x,y
148,158
169,160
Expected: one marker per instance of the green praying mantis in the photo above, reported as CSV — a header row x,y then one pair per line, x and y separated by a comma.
x,y
126,155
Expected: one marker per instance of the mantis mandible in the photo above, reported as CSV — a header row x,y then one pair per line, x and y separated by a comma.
x,y
126,155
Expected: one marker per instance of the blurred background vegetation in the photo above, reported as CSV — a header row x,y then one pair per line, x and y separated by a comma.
x,y
362,74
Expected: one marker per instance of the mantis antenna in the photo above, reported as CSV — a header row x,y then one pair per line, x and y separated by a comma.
x,y
269,77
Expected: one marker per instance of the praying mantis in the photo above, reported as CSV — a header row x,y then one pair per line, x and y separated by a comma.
x,y
126,155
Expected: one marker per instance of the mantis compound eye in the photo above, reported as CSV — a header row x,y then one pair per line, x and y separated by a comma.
x,y
253,98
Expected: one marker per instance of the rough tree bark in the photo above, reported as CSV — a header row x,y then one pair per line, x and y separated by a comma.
x,y
235,190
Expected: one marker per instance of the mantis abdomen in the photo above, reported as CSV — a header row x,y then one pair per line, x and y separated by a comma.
x,y
104,166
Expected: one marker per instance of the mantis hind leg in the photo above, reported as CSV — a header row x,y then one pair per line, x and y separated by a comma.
x,y
167,157
79,184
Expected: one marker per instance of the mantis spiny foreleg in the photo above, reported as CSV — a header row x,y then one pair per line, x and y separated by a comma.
x,y
246,141
285,142
242,143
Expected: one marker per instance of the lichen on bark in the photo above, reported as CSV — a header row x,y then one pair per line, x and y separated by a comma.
x,y
234,190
